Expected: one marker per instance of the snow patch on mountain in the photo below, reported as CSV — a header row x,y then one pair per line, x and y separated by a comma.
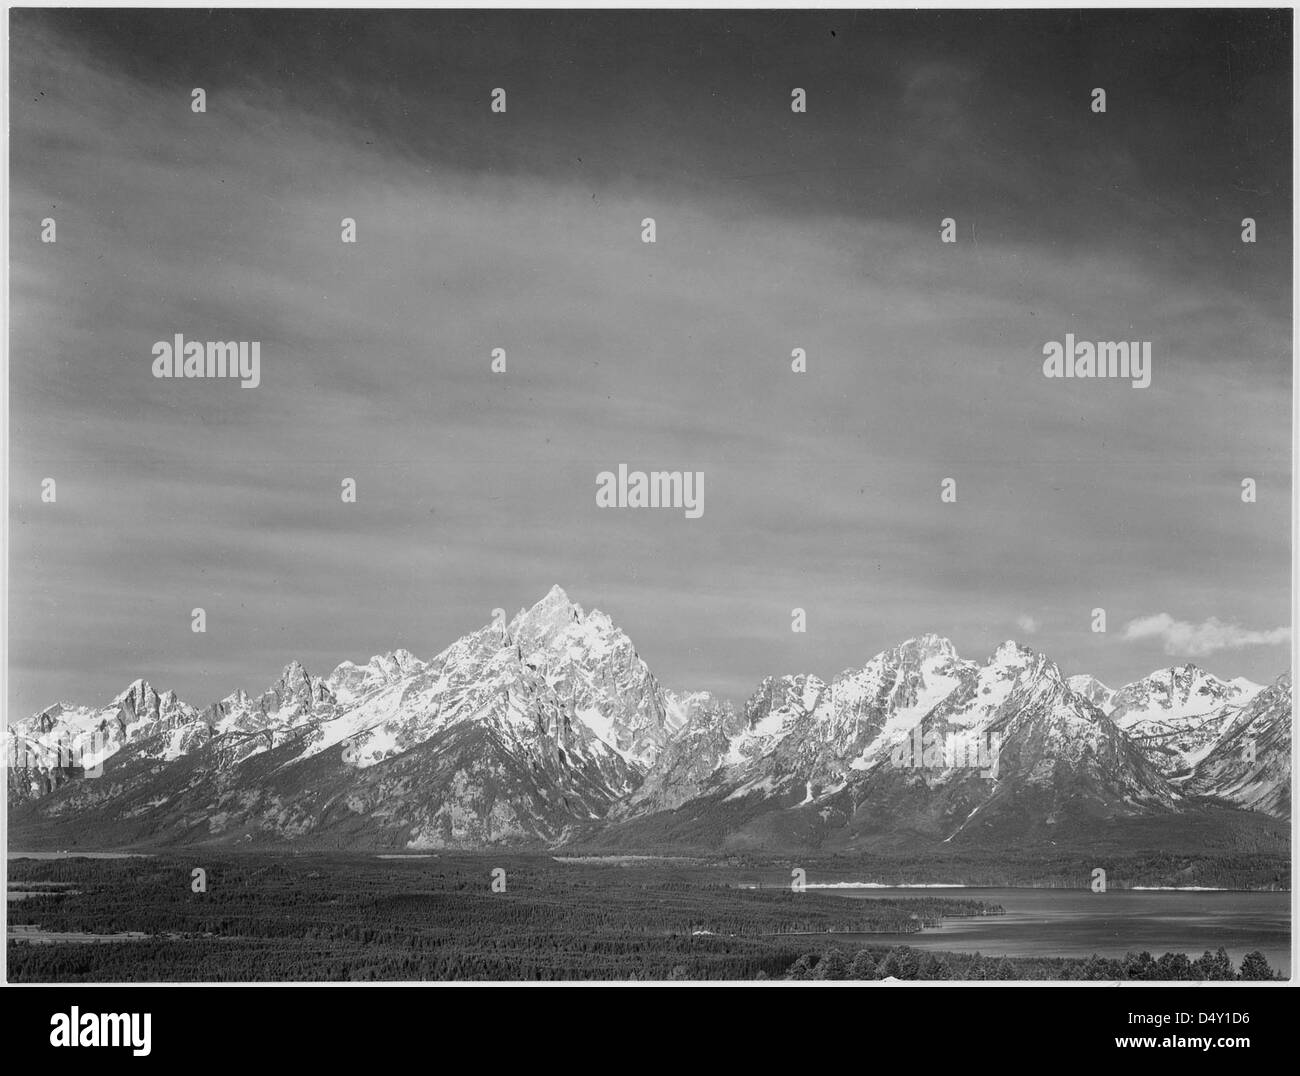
x,y
1175,715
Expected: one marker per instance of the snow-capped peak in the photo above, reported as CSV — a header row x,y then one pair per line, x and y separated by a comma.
x,y
350,682
927,645
138,690
1011,653
1184,688
1093,690
1178,713
536,627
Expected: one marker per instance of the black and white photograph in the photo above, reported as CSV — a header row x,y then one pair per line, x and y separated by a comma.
x,y
533,495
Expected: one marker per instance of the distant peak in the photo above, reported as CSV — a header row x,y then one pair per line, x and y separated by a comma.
x,y
137,688
294,671
402,658
1009,651
543,620
1177,672
935,644
555,602
926,645
1012,654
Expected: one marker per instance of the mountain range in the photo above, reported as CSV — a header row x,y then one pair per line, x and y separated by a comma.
x,y
553,731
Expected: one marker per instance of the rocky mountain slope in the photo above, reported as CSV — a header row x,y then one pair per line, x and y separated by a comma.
x,y
1176,714
1249,765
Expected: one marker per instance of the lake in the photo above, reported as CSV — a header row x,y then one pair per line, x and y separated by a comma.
x,y
1078,922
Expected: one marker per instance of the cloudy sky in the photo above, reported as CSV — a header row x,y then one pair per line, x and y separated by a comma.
x,y
522,231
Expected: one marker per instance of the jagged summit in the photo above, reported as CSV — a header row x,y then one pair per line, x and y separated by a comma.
x,y
1178,713
1189,678
137,688
295,687
924,647
929,643
350,682
537,627
1012,653
294,673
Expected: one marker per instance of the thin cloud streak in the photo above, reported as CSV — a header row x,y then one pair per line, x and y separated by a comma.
x,y
1182,638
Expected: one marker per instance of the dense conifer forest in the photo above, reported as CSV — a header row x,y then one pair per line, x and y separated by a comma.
x,y
258,917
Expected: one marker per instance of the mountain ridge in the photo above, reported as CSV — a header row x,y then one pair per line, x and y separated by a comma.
x,y
552,728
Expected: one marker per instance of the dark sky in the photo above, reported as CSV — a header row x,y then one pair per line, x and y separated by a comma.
x,y
775,230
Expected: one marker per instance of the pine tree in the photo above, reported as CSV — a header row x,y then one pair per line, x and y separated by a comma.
x,y
1094,969
1173,966
935,968
1216,966
803,967
901,963
832,966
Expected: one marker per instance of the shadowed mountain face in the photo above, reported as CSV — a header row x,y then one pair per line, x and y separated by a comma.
x,y
1249,764
552,730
